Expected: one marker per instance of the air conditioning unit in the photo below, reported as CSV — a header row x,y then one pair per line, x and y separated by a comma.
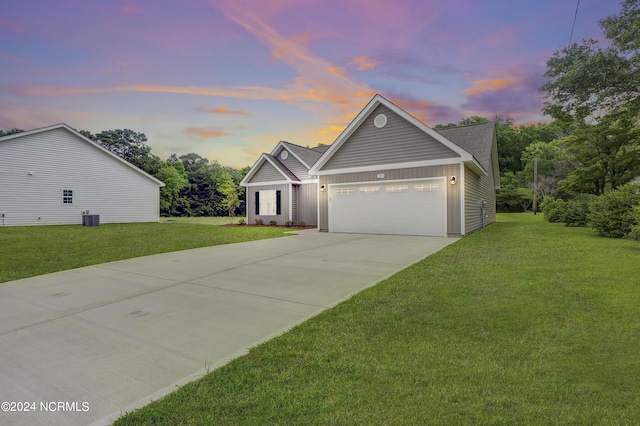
x,y
91,220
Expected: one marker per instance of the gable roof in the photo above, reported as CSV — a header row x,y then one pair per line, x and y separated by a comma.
x,y
377,100
306,156
473,139
84,139
321,149
281,168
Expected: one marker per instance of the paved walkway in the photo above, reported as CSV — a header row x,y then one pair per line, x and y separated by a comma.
x,y
85,345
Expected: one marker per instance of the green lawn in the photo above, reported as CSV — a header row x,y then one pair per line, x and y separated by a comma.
x,y
34,250
524,322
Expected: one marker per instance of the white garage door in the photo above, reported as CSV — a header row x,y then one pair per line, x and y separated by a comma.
x,y
404,208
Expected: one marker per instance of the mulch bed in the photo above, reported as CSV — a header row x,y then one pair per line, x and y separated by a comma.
x,y
273,226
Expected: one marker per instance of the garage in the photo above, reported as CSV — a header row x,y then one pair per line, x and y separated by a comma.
x,y
407,207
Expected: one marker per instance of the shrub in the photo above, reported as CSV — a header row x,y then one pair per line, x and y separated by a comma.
x,y
242,222
303,224
288,223
273,222
259,221
612,214
635,229
576,211
553,209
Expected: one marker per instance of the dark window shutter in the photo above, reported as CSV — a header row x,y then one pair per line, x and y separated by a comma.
x,y
278,203
257,202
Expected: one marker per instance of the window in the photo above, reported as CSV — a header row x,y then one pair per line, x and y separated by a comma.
x,y
343,191
369,189
268,203
397,188
426,187
67,196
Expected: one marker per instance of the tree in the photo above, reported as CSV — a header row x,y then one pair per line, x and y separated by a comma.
x,y
514,194
596,90
131,146
10,132
603,155
585,82
622,29
175,179
474,119
230,190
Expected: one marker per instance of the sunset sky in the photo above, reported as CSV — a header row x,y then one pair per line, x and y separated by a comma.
x,y
228,79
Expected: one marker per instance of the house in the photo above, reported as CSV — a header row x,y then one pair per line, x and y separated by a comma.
x,y
280,188
52,175
387,173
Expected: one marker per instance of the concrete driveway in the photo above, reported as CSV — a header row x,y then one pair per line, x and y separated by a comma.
x,y
83,346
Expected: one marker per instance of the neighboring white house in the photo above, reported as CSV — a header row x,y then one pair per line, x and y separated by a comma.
x,y
52,175
387,173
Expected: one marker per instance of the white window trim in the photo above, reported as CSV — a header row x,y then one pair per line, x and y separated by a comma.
x,y
67,196
268,202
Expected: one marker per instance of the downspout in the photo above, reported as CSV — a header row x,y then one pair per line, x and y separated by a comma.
x,y
483,204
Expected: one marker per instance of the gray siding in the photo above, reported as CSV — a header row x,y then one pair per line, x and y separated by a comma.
x,y
251,204
267,173
399,141
478,188
57,160
453,191
294,203
292,163
308,204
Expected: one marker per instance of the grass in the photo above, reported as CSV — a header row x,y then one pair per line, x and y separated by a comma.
x,y
524,322
34,250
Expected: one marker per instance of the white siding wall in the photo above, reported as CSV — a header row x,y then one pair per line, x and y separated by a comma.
x,y
60,160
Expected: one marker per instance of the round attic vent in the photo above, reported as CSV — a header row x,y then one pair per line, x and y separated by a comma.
x,y
380,121
284,154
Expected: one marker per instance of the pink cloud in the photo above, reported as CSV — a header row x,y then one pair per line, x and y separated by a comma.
x,y
206,132
482,86
363,63
130,8
225,110
515,95
318,80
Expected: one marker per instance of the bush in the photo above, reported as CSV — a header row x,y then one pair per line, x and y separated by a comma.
x,y
612,214
553,209
242,222
288,223
635,229
303,224
273,222
576,211
259,221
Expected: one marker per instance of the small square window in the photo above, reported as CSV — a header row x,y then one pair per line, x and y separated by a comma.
x,y
67,196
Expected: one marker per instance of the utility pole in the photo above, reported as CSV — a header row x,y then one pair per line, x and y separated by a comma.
x,y
535,186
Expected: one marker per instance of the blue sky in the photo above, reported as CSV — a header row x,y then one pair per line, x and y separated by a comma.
x,y
228,79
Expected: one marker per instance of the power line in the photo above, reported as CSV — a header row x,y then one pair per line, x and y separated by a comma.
x,y
574,23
